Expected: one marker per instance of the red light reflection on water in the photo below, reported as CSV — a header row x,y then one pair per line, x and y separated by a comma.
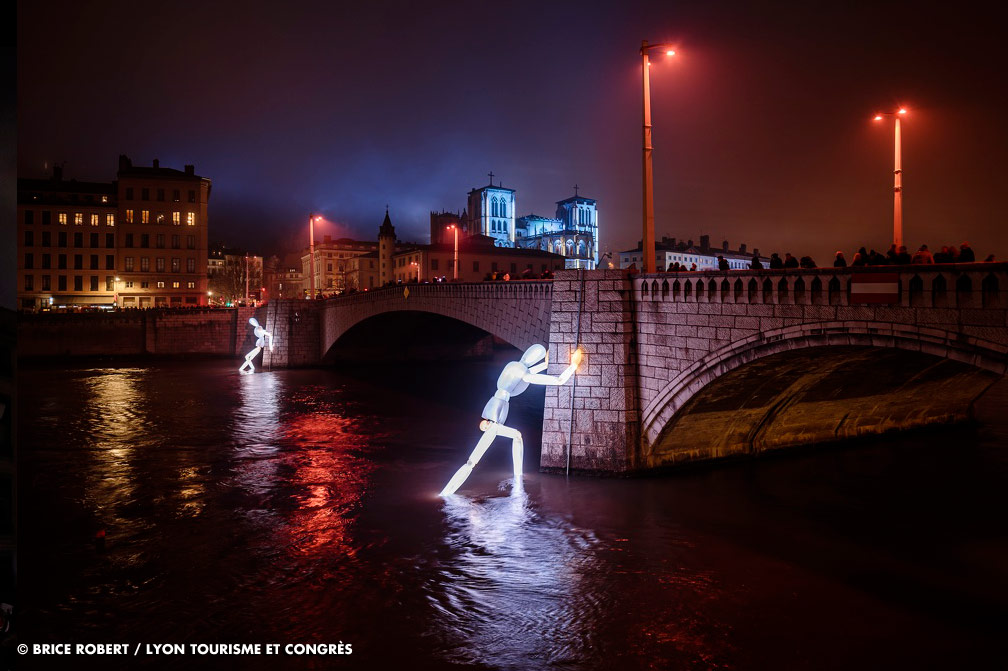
x,y
325,469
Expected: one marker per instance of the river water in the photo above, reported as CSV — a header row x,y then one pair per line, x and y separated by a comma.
x,y
300,507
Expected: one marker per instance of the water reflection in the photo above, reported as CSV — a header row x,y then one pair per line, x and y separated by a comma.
x,y
515,588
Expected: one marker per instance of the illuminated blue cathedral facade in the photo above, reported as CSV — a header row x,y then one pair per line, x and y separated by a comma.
x,y
490,213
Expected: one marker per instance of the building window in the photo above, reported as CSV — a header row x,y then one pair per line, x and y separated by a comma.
x,y
159,264
129,285
175,285
94,219
144,216
129,240
160,285
160,218
78,262
94,262
176,218
46,239
190,265
62,239
93,240
94,283
46,283
109,283
160,194
145,264
175,242
61,261
29,217
145,194
128,264
104,199
78,240
190,218
145,240
190,242
62,218
78,218
47,261
109,240
110,262
329,267
29,238
29,261
175,195
176,264
29,283
192,195
46,217
61,283
78,283
129,193
159,240
129,216
192,285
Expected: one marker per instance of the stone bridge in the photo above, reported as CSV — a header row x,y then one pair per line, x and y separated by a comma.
x,y
682,367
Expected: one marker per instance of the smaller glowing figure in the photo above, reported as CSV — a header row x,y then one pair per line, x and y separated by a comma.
x,y
262,335
513,380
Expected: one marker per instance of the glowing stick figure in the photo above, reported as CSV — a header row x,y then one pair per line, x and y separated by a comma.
x,y
513,380
261,335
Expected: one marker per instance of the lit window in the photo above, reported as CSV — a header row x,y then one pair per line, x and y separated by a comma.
x,y
110,220
144,216
160,218
176,218
190,218
175,285
129,216
160,285
78,218
129,285
104,199
62,218
191,285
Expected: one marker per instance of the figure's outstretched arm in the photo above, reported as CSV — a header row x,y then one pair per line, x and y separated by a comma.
x,y
555,380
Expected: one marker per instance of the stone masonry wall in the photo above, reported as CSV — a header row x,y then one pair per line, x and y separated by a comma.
x,y
601,430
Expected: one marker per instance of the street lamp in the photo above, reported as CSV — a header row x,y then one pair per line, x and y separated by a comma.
x,y
311,250
455,228
115,292
414,263
897,177
648,239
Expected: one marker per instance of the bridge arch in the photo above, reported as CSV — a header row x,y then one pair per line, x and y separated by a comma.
x,y
517,312
688,383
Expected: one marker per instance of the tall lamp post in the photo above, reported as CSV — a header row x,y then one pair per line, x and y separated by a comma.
x,y
311,251
897,177
414,263
648,239
455,228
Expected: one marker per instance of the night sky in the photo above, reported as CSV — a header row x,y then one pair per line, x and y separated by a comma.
x,y
762,123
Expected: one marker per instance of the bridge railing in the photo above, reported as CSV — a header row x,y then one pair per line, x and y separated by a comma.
x,y
953,285
485,290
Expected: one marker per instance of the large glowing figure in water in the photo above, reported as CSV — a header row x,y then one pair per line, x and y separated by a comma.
x,y
513,380
262,335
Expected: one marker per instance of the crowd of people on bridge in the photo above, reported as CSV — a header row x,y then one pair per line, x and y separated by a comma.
x,y
895,256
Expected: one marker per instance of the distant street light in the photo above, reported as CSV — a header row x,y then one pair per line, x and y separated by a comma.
x,y
115,291
455,228
414,263
311,250
897,177
648,239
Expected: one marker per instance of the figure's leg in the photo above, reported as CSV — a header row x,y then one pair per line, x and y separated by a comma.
x,y
481,447
248,360
517,450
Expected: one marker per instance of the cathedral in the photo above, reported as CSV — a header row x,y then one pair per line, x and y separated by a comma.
x,y
490,212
